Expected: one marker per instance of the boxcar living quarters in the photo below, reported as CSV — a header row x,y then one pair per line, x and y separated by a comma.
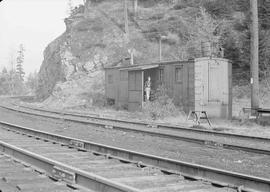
x,y
199,84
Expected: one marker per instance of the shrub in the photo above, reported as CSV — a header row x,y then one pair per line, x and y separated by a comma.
x,y
162,105
99,100
157,16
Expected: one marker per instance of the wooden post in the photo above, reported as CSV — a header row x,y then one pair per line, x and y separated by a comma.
x,y
142,89
126,20
131,57
160,47
254,54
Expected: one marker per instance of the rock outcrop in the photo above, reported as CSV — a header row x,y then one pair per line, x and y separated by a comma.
x,y
51,69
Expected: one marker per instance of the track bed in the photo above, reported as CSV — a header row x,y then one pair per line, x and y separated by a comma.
x,y
130,174
17,177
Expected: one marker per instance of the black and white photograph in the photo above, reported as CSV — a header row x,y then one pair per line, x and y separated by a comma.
x,y
134,95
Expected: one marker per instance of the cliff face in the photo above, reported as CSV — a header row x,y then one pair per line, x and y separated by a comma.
x,y
95,38
51,69
89,43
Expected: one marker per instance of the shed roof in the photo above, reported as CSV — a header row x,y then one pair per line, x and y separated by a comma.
x,y
147,64
140,67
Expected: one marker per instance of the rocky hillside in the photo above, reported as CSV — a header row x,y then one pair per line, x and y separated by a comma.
x,y
72,70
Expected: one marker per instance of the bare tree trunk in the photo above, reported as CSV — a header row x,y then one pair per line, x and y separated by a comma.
x,y
254,54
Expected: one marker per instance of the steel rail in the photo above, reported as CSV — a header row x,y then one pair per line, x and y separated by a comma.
x,y
162,135
73,176
158,125
215,176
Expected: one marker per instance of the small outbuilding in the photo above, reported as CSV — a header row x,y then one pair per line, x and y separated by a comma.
x,y
198,84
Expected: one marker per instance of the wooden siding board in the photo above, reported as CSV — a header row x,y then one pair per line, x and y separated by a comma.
x,y
170,78
216,94
180,92
191,86
123,91
178,86
134,96
215,79
135,89
230,89
116,85
110,87
123,88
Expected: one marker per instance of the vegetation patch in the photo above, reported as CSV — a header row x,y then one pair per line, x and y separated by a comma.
x,y
161,106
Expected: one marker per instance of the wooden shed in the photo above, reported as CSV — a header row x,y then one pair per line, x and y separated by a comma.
x,y
199,84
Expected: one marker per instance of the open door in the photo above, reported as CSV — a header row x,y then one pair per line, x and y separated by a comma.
x,y
135,90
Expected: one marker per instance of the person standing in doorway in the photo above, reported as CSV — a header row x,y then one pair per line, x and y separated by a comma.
x,y
148,88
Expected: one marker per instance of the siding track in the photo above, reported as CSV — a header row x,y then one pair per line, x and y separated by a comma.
x,y
204,137
16,176
125,170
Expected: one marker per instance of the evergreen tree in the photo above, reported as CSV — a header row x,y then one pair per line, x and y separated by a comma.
x,y
32,81
70,7
4,82
20,60
236,40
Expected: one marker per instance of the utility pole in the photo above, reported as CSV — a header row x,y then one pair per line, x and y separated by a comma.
x,y
254,54
161,37
86,3
135,6
126,20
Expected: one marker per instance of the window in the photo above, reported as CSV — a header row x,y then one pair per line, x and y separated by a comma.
x,y
110,79
178,74
161,75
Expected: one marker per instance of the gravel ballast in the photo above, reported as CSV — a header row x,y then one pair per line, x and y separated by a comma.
x,y
238,161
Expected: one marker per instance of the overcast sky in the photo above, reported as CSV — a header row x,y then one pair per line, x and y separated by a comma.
x,y
34,23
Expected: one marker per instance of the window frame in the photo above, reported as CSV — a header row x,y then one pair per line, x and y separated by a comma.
x,y
161,75
178,68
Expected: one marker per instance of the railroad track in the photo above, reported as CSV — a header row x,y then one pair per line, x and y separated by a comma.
x,y
40,156
105,168
16,176
204,137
